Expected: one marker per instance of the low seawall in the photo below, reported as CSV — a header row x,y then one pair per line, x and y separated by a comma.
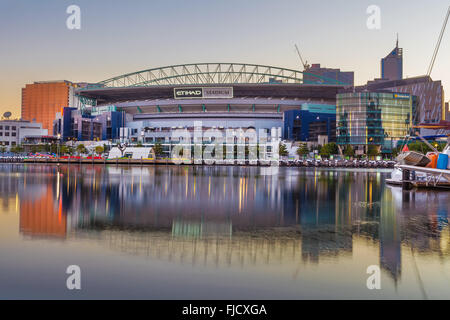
x,y
282,163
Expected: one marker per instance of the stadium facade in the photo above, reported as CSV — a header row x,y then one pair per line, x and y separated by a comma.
x,y
146,107
221,96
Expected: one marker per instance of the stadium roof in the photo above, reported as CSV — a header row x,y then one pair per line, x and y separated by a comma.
x,y
212,73
315,92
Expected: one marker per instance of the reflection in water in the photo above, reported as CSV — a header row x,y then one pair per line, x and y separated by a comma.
x,y
228,216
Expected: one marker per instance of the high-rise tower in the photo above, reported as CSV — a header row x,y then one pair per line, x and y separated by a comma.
x,y
392,64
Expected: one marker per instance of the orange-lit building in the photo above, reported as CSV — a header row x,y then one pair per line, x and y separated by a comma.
x,y
42,100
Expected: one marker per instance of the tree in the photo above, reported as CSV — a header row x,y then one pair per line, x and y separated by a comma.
x,y
283,150
69,150
372,151
64,149
329,149
158,149
302,150
139,145
17,149
53,148
333,148
324,151
99,150
81,149
395,152
348,151
420,146
2,149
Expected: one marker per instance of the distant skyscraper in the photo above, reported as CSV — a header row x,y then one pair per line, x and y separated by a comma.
x,y
392,65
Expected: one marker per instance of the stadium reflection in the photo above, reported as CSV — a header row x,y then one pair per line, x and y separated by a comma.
x,y
228,216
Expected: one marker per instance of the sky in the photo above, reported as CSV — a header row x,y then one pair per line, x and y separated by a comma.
x,y
118,37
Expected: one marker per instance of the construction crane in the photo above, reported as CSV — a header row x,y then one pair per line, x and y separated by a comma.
x,y
438,44
304,63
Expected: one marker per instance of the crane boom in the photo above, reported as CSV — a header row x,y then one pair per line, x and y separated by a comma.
x,y
305,65
438,44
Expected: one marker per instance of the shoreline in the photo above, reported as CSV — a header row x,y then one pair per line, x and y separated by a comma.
x,y
363,164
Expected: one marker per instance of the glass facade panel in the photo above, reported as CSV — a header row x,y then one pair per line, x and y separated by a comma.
x,y
365,118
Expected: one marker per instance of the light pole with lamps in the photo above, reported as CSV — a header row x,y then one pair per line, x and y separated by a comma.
x,y
59,142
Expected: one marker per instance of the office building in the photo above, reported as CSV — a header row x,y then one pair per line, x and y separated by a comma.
x,y
75,124
42,100
17,132
310,121
373,118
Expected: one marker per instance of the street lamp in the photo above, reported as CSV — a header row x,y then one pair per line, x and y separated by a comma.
x,y
59,141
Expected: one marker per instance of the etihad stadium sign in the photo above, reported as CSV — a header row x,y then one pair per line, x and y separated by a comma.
x,y
203,93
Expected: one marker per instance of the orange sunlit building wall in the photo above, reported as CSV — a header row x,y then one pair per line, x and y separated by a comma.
x,y
42,100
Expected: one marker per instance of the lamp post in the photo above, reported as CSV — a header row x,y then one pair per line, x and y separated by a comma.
x,y
59,141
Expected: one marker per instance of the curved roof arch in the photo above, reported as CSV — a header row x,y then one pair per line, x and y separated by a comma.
x,y
208,73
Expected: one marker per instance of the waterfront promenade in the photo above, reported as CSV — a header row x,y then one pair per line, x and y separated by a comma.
x,y
167,161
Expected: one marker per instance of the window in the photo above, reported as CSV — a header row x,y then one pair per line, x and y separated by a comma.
x,y
6,127
1,127
13,134
6,134
1,134
13,128
13,143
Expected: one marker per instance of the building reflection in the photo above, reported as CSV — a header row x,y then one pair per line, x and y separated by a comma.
x,y
43,217
230,215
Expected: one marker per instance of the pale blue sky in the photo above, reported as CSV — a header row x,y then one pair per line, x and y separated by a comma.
x,y
117,37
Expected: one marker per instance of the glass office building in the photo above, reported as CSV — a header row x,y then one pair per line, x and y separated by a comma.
x,y
373,118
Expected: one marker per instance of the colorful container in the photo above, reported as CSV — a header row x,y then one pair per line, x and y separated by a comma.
x,y
433,158
447,152
442,161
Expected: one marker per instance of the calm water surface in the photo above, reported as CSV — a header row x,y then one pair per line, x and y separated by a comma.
x,y
218,233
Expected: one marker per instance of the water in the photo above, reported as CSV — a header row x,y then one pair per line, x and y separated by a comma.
x,y
169,232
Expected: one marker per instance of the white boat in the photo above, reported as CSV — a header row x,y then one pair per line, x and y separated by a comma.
x,y
422,174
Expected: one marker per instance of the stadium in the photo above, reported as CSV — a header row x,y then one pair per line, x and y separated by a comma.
x,y
153,102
